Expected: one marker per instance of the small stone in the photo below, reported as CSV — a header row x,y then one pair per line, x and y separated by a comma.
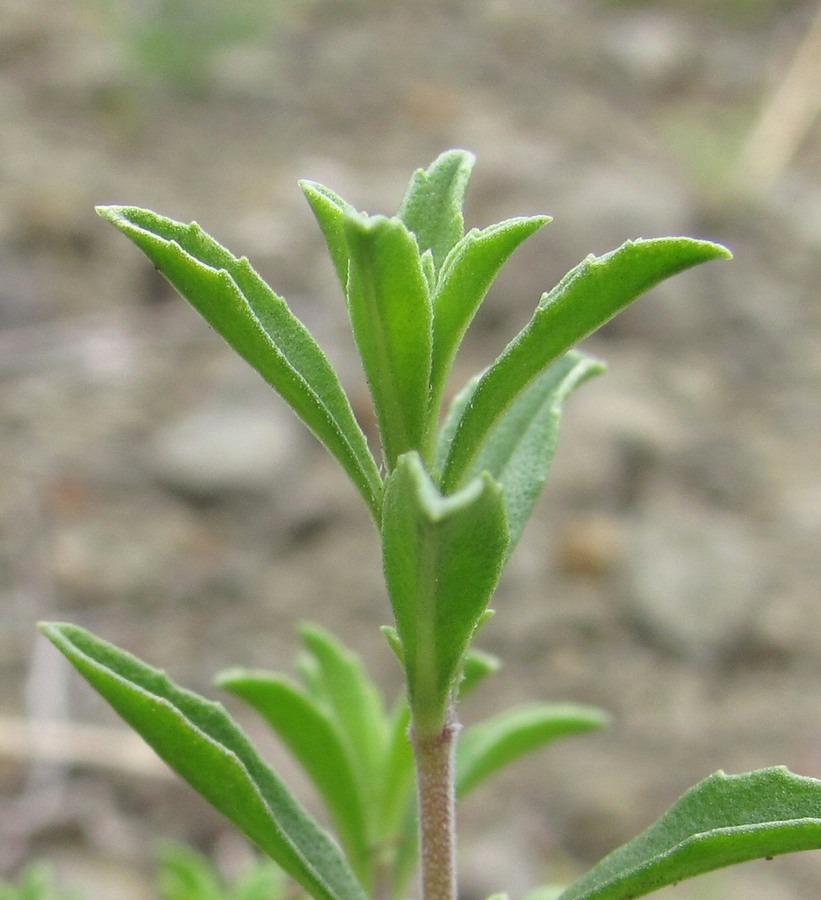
x,y
693,575
591,545
221,449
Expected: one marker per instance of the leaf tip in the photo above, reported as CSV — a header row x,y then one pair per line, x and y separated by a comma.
x,y
226,679
110,212
391,635
56,632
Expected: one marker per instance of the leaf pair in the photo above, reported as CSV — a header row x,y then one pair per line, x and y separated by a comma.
x,y
442,558
369,795
413,284
335,725
585,299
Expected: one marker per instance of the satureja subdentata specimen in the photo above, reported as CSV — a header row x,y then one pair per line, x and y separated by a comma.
x,y
449,504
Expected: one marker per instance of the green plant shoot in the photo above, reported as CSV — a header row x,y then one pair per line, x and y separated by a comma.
x,y
449,502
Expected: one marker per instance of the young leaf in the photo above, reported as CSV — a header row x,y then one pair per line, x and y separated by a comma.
x,y
313,737
490,745
586,298
723,820
478,665
428,270
258,324
185,874
432,205
263,881
35,882
520,446
330,210
353,701
465,278
397,776
390,314
202,744
442,559
391,635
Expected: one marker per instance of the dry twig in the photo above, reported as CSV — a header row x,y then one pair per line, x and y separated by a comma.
x,y
786,118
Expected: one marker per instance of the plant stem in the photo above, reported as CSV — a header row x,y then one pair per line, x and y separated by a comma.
x,y
435,774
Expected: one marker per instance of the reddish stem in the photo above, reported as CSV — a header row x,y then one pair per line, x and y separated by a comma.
x,y
437,811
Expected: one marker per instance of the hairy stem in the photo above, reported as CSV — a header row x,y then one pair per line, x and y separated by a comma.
x,y
435,772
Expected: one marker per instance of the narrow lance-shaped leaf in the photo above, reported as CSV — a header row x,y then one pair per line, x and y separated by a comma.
x,y
397,776
723,820
313,737
391,635
330,210
442,559
258,324
586,298
390,314
202,744
352,700
491,745
428,270
432,205
519,449
464,280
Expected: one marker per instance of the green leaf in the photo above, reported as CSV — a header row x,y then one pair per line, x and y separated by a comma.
x,y
258,324
185,874
313,737
478,665
330,210
390,313
202,744
586,298
466,276
353,701
432,205
391,635
397,780
262,882
442,559
520,446
36,882
723,820
428,270
488,746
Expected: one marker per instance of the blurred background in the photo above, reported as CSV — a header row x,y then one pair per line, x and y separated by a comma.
x,y
155,491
